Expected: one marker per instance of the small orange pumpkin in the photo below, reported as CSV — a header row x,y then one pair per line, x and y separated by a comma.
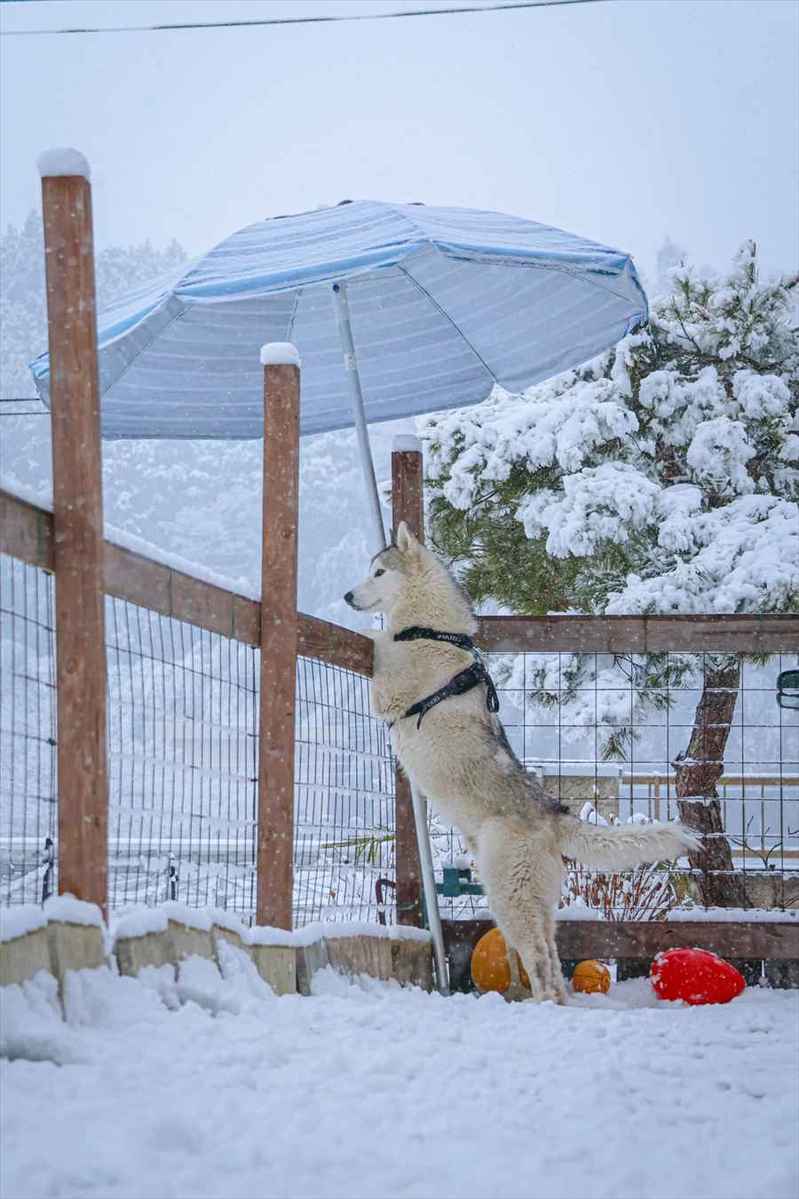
x,y
591,977
490,968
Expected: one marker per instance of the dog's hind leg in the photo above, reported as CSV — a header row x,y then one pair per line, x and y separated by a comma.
x,y
554,957
517,989
515,869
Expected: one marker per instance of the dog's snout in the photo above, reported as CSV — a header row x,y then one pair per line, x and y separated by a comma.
x,y
348,598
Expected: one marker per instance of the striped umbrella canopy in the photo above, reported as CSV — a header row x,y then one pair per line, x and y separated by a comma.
x,y
443,304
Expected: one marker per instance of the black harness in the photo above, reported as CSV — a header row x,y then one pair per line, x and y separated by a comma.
x,y
462,682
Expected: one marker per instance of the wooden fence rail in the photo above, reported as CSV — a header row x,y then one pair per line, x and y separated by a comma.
x,y
26,532
641,940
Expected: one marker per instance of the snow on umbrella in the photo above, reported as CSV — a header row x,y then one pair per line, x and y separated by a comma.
x,y
441,304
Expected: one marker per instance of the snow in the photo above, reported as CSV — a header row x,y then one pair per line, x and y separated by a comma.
x,y
718,454
330,929
138,922
72,910
227,920
31,1026
38,497
265,935
757,915
745,558
367,1089
17,921
406,443
280,353
311,934
181,913
156,553
598,503
576,911
62,160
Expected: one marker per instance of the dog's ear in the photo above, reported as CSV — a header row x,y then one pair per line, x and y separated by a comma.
x,y
406,542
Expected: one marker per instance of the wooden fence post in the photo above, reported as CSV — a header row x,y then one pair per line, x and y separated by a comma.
x,y
78,528
275,860
407,503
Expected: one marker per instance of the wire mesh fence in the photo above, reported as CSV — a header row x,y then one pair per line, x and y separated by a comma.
x,y
183,755
609,735
183,765
28,805
182,750
344,798
614,737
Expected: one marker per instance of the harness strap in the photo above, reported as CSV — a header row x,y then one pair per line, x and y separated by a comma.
x,y
462,682
417,632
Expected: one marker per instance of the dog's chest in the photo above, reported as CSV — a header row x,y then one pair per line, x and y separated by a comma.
x,y
405,672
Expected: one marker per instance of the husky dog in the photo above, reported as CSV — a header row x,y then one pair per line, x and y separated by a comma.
x,y
431,687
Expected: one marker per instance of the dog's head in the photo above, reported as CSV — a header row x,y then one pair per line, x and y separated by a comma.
x,y
388,575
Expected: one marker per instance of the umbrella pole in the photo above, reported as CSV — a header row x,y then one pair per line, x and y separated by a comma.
x,y
429,887
367,462
379,536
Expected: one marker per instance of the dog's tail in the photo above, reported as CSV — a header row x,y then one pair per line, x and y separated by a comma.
x,y
620,846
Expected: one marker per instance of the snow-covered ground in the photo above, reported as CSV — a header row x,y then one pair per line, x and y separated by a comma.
x,y
367,1090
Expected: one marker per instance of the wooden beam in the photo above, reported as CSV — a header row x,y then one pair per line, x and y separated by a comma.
x,y
746,634
26,532
639,939
77,540
279,644
335,645
407,504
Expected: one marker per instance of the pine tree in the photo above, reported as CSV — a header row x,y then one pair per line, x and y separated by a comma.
x,y
662,477
669,257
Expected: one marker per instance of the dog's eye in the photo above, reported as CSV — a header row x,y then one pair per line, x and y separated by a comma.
x,y
378,573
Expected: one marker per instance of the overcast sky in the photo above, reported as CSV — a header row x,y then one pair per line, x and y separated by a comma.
x,y
622,121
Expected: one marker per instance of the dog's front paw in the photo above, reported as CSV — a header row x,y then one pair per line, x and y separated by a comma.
x,y
380,702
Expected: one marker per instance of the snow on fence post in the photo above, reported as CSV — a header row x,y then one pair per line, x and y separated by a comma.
x,y
407,503
78,527
275,846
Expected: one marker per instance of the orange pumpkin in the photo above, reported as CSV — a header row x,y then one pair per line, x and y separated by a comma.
x,y
490,968
591,977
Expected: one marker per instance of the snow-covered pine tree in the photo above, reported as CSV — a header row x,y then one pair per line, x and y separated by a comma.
x,y
662,477
669,256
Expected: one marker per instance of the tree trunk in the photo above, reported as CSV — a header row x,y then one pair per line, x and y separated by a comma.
x,y
697,774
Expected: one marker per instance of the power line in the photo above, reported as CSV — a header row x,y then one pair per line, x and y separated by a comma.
x,y
454,10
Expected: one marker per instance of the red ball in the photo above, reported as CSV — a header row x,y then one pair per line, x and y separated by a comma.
x,y
695,976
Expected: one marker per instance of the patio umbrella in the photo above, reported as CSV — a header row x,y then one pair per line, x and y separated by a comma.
x,y
396,309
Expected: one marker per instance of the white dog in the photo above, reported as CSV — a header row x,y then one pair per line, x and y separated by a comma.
x,y
431,687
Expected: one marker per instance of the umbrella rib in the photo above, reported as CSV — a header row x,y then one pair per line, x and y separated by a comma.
x,y
420,287
293,316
